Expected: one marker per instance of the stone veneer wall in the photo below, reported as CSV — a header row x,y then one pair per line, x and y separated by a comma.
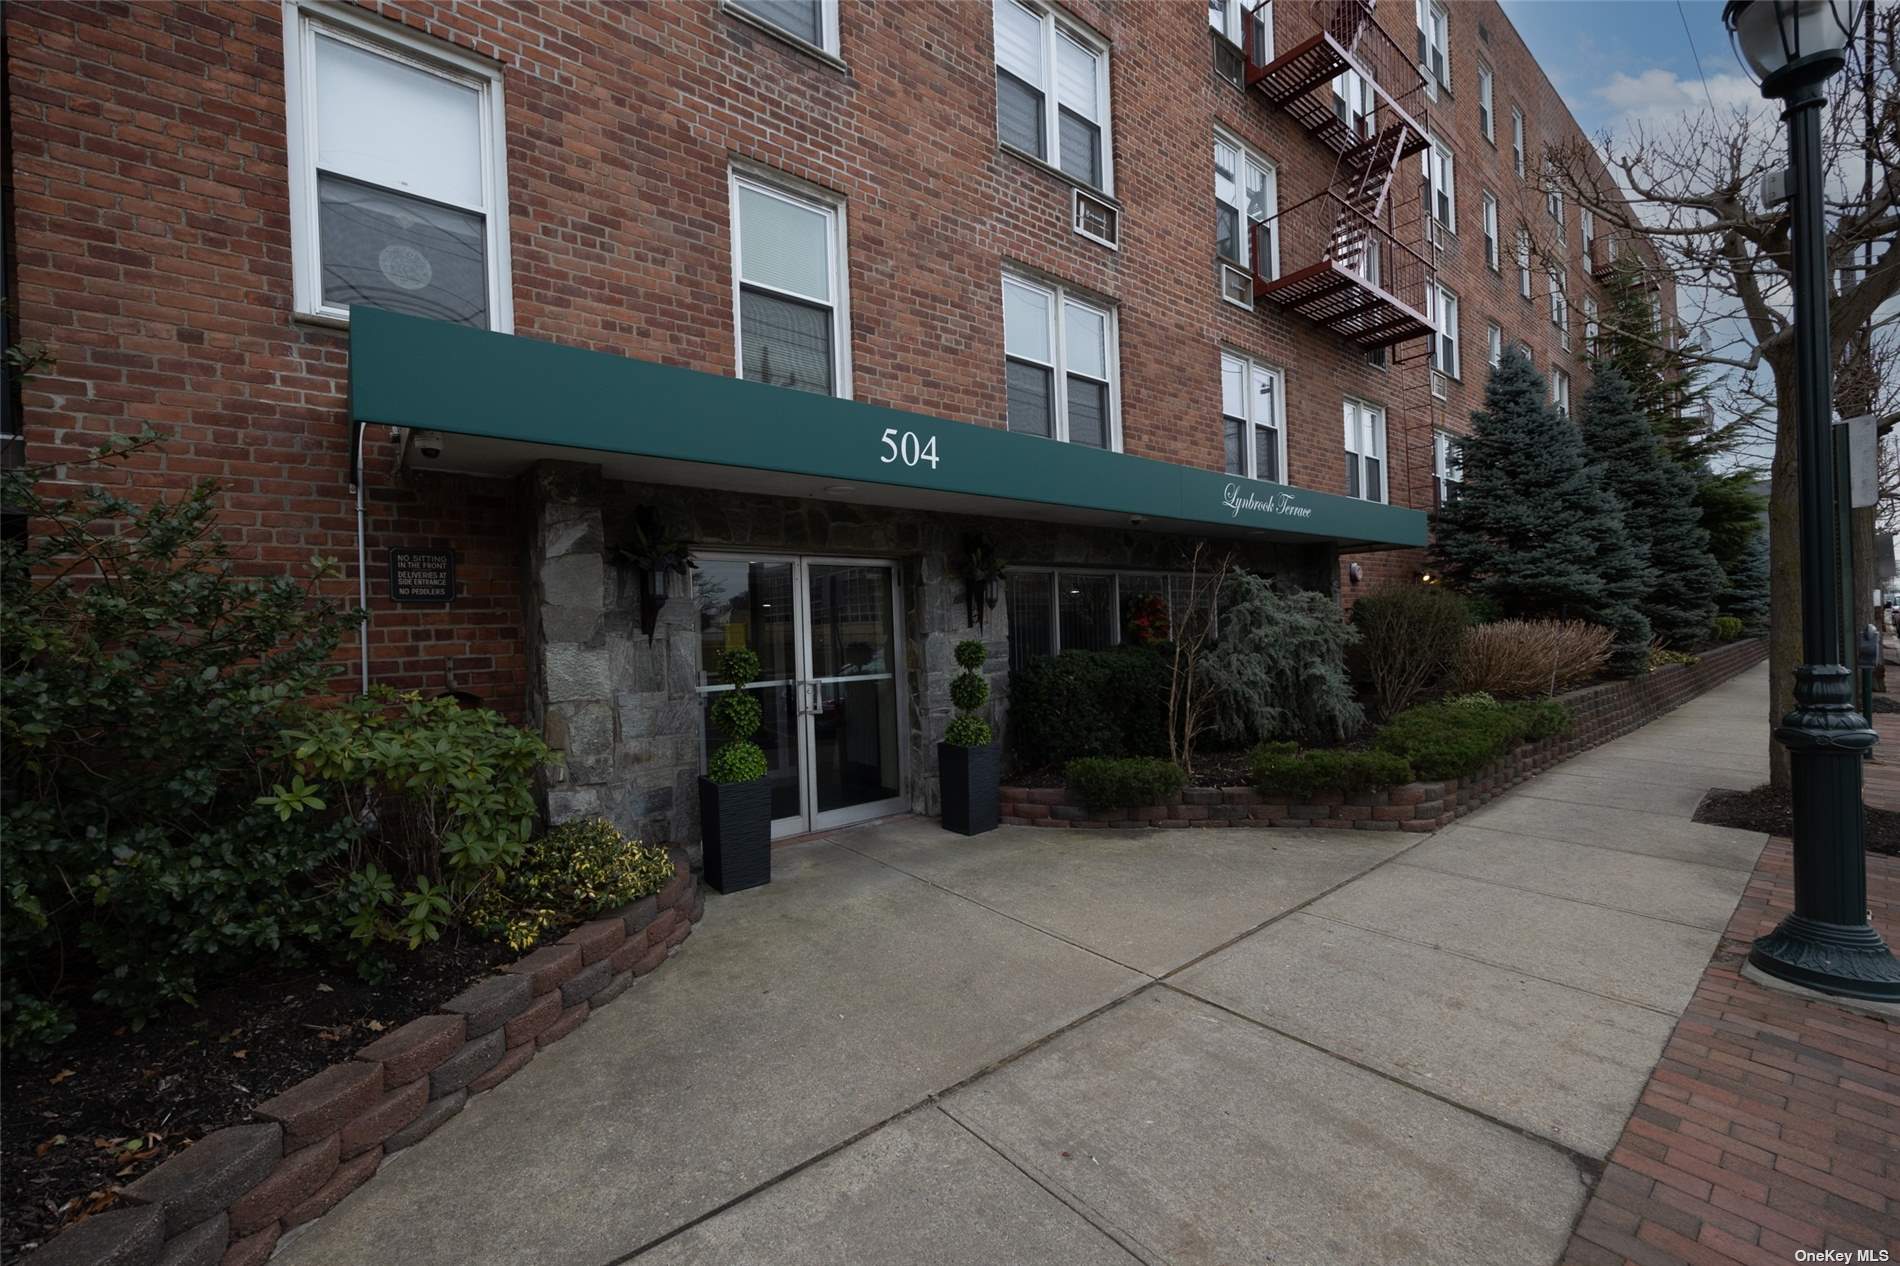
x,y
1598,713
626,710
226,1199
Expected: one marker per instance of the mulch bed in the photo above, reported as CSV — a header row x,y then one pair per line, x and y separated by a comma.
x,y
1764,809
109,1103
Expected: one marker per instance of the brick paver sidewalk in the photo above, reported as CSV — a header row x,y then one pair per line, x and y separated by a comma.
x,y
1771,1124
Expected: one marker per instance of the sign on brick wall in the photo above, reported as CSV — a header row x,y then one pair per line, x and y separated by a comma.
x,y
422,575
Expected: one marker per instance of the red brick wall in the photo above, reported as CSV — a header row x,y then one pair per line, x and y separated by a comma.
x,y
153,247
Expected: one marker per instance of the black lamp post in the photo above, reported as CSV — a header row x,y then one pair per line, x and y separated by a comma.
x,y
1827,944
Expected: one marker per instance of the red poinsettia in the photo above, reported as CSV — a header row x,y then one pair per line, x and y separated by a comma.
x,y
1147,619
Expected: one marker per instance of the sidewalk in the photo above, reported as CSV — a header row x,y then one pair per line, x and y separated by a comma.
x,y
1771,1124
1228,1046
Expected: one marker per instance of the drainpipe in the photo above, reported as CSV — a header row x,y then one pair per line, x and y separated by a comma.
x,y
358,477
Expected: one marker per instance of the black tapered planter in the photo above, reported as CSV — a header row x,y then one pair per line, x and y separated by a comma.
x,y
735,827
972,778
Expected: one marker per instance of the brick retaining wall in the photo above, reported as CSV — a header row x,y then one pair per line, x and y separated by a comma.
x,y
1598,714
226,1199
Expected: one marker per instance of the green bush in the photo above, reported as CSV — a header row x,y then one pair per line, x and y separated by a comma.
x,y
1104,782
1410,640
1450,740
443,795
1726,628
1472,699
1089,703
969,690
736,714
1278,770
1278,666
574,872
146,687
1662,657
967,731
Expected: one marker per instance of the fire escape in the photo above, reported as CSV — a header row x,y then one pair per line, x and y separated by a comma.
x,y
1346,259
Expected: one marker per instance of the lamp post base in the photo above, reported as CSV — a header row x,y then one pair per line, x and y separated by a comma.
x,y
1831,958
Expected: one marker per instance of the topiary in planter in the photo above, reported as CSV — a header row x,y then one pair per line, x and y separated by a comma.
x,y
968,759
735,801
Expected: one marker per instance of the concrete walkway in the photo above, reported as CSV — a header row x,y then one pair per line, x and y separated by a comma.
x,y
1211,1047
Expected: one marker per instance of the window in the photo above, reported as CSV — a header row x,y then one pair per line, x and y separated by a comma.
x,y
1524,263
813,22
1245,194
1559,307
1051,610
1560,391
1253,418
1033,53
1491,230
1554,201
1586,232
1433,23
1445,345
1447,471
1524,350
1590,326
1365,451
1230,17
1487,121
1517,141
1352,102
1059,366
398,187
792,314
1443,199
1493,343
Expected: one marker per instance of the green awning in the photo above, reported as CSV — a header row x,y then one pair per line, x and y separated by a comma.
x,y
515,400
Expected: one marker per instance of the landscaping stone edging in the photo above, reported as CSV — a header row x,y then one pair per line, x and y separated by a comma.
x,y
226,1199
1598,714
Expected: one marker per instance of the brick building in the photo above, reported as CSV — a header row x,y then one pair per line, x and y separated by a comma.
x,y
475,297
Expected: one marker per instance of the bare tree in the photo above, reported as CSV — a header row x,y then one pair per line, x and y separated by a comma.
x,y
1689,204
1191,619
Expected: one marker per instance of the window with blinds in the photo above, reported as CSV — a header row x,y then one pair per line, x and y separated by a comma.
x,y
789,254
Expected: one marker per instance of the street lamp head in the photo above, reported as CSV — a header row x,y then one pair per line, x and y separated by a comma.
x,y
1788,45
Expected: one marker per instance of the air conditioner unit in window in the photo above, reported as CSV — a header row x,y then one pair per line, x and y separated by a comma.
x,y
1236,285
1097,220
1435,232
1441,386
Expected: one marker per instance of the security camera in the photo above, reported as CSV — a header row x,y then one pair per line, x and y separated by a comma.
x,y
429,444
1136,520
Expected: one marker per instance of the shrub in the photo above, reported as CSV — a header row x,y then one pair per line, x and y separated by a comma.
x,y
1103,782
443,797
1278,770
969,690
1532,657
736,714
1278,669
1661,656
1449,740
146,686
574,872
1726,628
1410,637
1474,699
1089,703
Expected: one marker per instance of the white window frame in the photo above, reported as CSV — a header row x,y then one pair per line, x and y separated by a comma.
x,y
1361,419
1586,231
1524,263
1493,343
1248,450
1493,247
1055,25
1559,304
1554,202
827,26
304,24
1517,140
1060,299
1246,155
1229,28
1440,164
1591,326
1487,111
833,209
1445,471
1434,36
1560,391
1446,356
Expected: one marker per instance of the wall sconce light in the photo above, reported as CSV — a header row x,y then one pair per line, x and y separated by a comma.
x,y
1353,573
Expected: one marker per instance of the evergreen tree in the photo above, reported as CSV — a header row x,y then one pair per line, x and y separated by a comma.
x,y
1659,511
1746,597
1535,529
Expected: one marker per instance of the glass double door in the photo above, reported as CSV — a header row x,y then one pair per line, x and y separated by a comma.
x,y
827,638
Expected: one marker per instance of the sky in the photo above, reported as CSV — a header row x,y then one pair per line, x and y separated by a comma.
x,y
1623,60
